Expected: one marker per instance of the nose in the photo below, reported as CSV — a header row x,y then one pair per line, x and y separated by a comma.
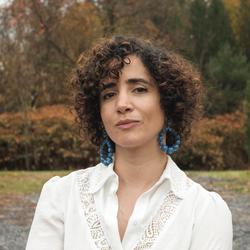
x,y
123,103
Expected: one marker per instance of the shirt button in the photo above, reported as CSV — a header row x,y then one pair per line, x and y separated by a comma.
x,y
135,223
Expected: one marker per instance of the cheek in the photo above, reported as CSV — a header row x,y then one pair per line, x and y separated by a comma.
x,y
155,112
158,118
105,116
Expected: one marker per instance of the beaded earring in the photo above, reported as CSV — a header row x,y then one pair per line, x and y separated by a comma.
x,y
106,157
175,146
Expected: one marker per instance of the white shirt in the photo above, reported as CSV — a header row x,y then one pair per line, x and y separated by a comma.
x,y
79,212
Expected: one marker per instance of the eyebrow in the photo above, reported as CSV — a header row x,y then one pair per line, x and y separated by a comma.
x,y
136,80
131,81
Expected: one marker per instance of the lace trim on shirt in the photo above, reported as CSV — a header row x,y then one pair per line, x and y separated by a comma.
x,y
166,210
153,230
158,222
90,212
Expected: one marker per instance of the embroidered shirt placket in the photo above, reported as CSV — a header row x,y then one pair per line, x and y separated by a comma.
x,y
152,231
158,222
88,203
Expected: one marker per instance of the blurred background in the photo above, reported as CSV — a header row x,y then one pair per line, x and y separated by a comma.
x,y
40,42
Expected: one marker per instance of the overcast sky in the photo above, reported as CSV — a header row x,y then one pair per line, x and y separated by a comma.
x,y
3,2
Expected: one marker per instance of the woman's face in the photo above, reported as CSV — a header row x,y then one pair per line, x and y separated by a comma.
x,y
134,96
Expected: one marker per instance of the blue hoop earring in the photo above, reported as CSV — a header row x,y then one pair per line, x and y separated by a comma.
x,y
106,158
164,147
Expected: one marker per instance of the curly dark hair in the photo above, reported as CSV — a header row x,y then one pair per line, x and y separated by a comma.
x,y
179,83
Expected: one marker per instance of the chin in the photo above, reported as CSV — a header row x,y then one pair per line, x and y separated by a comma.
x,y
130,143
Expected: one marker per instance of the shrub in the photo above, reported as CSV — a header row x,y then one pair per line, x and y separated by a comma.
x,y
48,138
217,144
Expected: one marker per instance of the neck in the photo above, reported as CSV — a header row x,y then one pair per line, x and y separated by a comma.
x,y
141,166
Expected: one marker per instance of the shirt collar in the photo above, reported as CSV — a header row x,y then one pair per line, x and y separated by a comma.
x,y
179,182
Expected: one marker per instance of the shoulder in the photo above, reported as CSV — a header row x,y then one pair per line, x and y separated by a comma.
x,y
211,210
65,182
212,227
210,202
62,185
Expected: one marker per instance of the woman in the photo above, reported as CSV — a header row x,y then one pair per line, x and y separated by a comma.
x,y
138,104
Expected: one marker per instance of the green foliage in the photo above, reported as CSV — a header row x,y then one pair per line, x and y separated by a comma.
x,y
199,19
243,15
228,72
247,112
210,29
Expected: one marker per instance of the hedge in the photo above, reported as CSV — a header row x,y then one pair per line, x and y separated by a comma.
x,y
216,144
48,139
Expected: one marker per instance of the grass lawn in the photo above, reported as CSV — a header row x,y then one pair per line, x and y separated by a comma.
x,y
25,182
228,181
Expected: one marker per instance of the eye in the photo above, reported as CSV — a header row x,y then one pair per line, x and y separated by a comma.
x,y
140,90
107,96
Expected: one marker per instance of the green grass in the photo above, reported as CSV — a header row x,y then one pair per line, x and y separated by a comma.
x,y
229,181
24,182
233,174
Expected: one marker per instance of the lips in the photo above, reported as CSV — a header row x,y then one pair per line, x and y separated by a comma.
x,y
128,125
127,121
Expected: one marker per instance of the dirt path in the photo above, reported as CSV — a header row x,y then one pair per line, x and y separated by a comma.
x,y
16,213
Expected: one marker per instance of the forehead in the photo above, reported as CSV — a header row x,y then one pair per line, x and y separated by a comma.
x,y
130,67
135,63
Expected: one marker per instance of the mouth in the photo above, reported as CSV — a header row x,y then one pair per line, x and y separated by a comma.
x,y
128,125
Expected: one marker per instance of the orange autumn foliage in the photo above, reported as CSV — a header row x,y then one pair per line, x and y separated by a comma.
x,y
48,138
216,144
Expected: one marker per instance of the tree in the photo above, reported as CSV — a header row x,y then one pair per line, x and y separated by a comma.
x,y
247,112
40,43
243,15
229,72
210,29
